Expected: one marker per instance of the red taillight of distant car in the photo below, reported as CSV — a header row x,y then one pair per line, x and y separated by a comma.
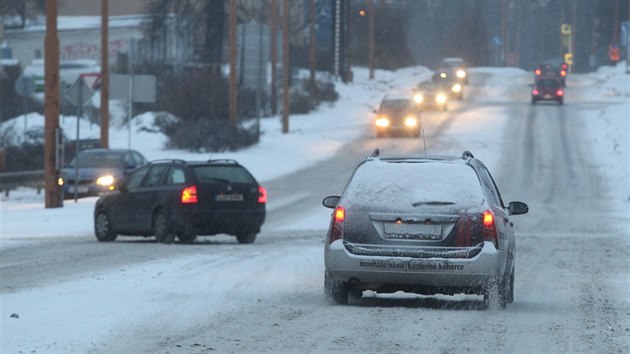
x,y
563,73
489,228
559,93
535,92
336,229
262,195
189,195
564,66
537,72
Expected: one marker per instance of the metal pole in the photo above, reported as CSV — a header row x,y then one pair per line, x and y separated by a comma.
x,y
274,57
285,66
51,48
77,146
105,73
259,79
371,37
233,92
130,109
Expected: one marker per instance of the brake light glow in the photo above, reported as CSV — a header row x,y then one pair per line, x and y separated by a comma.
x,y
489,228
262,195
564,66
189,195
563,73
538,72
336,228
560,93
536,92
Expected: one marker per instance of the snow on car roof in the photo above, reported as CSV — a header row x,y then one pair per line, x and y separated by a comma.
x,y
405,185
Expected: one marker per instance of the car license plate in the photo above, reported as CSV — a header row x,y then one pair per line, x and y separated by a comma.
x,y
79,189
412,231
229,198
547,96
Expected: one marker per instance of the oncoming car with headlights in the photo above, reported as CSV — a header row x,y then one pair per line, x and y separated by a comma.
x,y
397,116
428,95
98,171
446,79
421,224
459,67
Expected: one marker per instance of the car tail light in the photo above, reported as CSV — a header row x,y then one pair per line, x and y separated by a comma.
x,y
336,229
563,73
463,233
535,92
559,93
189,195
538,72
489,228
262,195
564,66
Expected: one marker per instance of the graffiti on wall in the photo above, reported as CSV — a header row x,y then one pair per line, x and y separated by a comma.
x,y
92,51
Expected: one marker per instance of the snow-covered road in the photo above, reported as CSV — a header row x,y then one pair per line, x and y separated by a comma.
x,y
73,294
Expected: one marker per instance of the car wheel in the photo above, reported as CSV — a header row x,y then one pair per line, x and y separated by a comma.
x,y
336,290
162,229
187,238
246,238
533,100
103,228
561,102
494,296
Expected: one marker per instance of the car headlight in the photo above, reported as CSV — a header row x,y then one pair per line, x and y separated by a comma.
x,y
441,98
105,180
418,98
382,122
461,74
457,88
411,121
443,75
60,181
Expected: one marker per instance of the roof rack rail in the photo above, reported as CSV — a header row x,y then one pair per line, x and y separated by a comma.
x,y
167,160
224,161
375,153
467,155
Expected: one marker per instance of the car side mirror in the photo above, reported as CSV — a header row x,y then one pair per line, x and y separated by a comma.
x,y
517,208
331,201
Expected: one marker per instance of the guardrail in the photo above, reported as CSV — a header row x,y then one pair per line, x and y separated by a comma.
x,y
13,180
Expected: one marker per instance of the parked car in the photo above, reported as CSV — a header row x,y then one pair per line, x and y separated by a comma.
x,y
98,171
421,224
183,199
429,96
397,116
548,89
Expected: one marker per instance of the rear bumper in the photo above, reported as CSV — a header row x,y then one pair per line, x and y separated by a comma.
x,y
230,222
469,275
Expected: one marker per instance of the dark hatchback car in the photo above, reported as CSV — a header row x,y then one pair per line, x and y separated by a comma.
x,y
98,171
548,89
183,199
397,116
421,224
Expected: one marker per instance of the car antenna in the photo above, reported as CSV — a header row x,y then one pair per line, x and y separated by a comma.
x,y
424,141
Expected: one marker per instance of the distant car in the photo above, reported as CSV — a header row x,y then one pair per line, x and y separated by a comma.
x,y
183,199
459,66
552,68
421,224
548,89
397,116
429,96
98,171
36,136
446,79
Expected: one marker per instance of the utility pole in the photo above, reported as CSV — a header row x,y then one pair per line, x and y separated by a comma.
x,y
52,164
105,73
573,34
285,66
337,35
233,92
274,57
313,42
503,33
371,37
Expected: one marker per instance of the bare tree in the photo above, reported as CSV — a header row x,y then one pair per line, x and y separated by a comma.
x,y
22,8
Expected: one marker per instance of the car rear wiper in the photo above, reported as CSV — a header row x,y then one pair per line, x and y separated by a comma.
x,y
433,202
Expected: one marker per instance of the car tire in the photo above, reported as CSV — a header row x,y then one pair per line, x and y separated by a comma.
x,y
494,296
103,228
533,100
561,102
336,290
162,229
246,238
187,238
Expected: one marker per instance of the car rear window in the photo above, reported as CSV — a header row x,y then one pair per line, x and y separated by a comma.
x,y
231,174
407,186
548,83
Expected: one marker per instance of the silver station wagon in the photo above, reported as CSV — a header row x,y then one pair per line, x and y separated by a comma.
x,y
421,224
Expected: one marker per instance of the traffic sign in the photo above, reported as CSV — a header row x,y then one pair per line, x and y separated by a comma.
x,y
79,93
565,28
25,86
568,58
